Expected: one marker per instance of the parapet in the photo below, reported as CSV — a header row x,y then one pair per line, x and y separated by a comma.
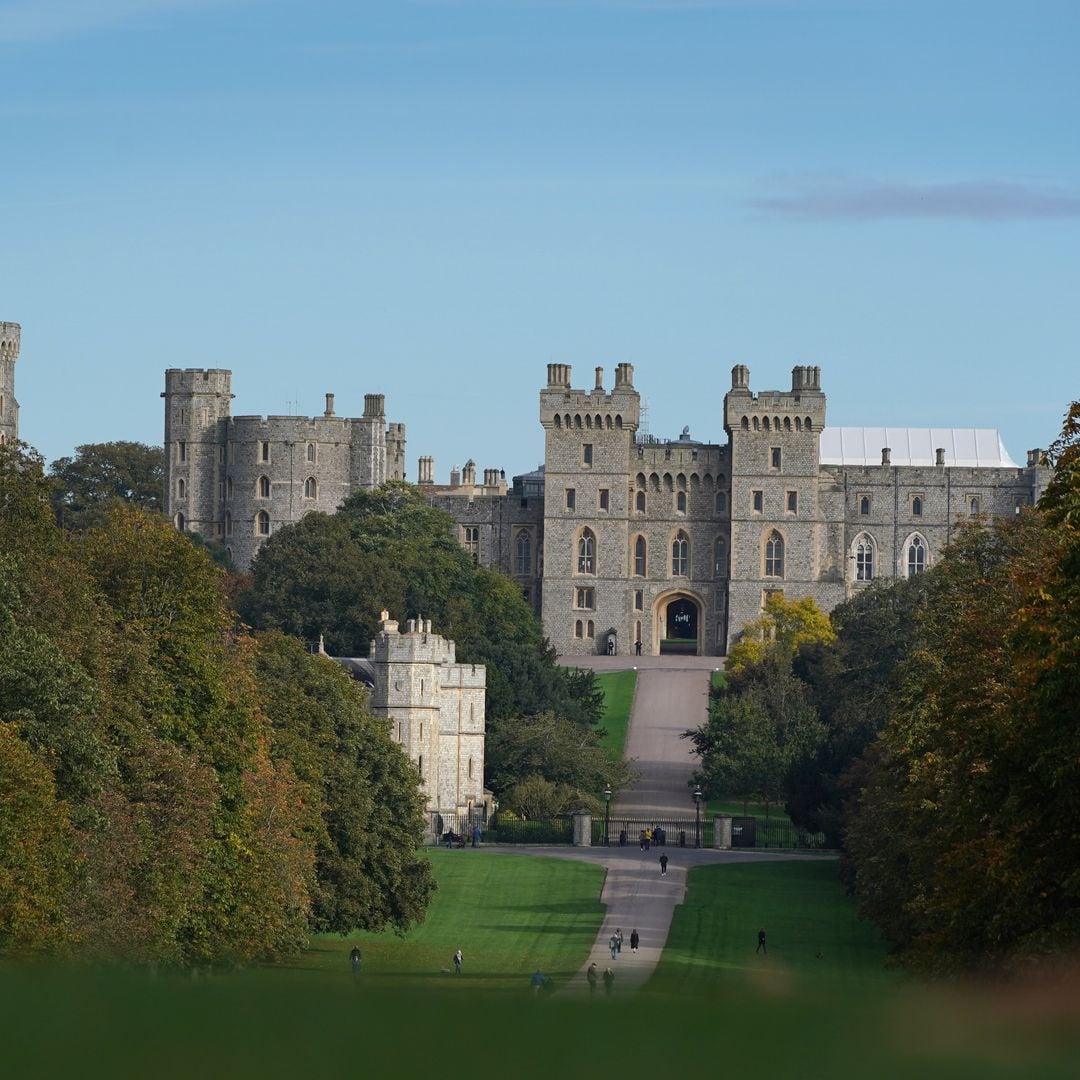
x,y
198,381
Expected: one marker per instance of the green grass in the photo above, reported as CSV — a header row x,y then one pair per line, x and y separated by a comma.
x,y
509,915
719,680
739,808
814,934
618,687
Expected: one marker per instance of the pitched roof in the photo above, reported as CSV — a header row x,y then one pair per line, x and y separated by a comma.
x,y
979,448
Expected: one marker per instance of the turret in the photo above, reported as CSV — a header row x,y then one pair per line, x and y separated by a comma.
x,y
10,334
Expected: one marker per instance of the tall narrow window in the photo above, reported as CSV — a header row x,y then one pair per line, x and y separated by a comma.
x,y
793,502
720,557
864,559
758,501
639,599
228,487
774,457
311,452
680,502
262,523
571,498
181,451
472,541
586,552
916,556
579,629
228,523
589,630
181,488
586,453
721,501
523,552
639,502
774,555
311,488
973,506
264,451
180,523
640,551
916,506
864,505
602,499
680,554
264,487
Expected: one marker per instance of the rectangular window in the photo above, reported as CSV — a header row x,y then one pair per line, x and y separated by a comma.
x,y
864,505
603,498
584,599
586,453
264,451
774,457
221,454
639,600
471,541
759,502
181,451
571,498
793,502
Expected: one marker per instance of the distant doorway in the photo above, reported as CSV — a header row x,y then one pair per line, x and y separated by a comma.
x,y
679,622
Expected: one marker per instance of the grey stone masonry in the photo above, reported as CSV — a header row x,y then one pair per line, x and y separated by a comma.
x,y
237,479
10,334
436,710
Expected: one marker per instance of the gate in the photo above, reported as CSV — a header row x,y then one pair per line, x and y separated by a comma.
x,y
669,832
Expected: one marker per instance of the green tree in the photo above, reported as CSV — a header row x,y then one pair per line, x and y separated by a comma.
x,y
783,628
101,475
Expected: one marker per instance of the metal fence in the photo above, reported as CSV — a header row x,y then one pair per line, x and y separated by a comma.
x,y
672,832
515,830
759,831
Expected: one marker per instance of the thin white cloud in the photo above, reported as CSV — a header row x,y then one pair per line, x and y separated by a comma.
x,y
41,20
878,200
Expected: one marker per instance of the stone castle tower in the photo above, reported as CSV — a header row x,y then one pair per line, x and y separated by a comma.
x,y
10,333
436,711
237,479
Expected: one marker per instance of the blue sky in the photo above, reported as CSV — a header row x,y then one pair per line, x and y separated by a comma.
x,y
433,199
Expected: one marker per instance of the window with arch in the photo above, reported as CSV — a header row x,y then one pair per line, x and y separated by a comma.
x,y
774,555
589,629
640,556
228,523
720,557
586,552
864,558
639,502
264,487
721,502
311,488
311,452
916,506
228,487
181,488
916,556
180,523
864,505
264,451
973,505
746,423
680,502
262,523
579,629
523,552
680,554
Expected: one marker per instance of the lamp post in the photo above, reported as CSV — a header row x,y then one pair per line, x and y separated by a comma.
x,y
607,807
698,795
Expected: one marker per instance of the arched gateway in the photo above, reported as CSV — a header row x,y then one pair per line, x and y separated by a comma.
x,y
678,624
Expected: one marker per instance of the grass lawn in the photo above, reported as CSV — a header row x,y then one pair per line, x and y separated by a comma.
x,y
509,915
738,808
719,680
618,687
814,936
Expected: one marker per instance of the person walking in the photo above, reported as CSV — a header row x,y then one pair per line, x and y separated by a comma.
x,y
609,981
538,981
618,939
356,959
634,941
476,836
613,945
761,947
663,865
457,962
591,976
648,839
641,840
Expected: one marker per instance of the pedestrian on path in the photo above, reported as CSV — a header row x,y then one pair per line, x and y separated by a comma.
x,y
634,940
609,981
618,939
663,866
641,840
613,945
356,959
591,976
761,947
457,962
476,836
648,839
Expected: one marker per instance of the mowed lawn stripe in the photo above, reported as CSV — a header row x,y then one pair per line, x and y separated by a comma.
x,y
812,929
509,915
618,687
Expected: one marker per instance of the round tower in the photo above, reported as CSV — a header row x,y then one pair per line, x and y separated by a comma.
x,y
10,333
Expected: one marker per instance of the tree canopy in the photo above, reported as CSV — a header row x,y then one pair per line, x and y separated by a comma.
x,y
101,475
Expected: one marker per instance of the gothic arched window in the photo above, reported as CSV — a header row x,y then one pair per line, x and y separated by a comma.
x,y
680,554
680,502
311,451
264,487
720,557
262,523
916,556
640,553
639,502
864,558
586,552
523,552
774,555
311,488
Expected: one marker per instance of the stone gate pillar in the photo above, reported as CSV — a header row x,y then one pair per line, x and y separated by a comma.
x,y
722,832
582,830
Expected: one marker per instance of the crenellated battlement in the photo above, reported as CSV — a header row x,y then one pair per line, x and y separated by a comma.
x,y
800,409
562,407
10,336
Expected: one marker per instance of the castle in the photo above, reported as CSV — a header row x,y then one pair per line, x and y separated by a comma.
x,y
9,407
237,479
436,710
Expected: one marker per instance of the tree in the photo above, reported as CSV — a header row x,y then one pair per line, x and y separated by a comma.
x,y
101,475
784,627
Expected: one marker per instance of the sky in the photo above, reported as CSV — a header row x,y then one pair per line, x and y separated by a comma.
x,y
434,199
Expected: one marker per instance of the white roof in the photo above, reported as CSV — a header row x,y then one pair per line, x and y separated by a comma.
x,y
979,448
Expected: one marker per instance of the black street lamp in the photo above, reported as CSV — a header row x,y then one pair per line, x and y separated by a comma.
x,y
607,807
698,796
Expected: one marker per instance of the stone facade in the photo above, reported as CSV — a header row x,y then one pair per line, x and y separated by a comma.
x,y
436,711
237,479
677,544
10,334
